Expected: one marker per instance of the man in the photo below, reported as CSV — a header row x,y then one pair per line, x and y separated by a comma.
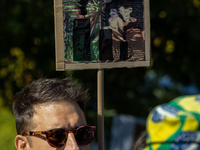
x,y
49,114
175,125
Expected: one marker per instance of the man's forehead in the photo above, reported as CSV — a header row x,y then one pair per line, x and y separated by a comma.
x,y
52,104
59,108
58,115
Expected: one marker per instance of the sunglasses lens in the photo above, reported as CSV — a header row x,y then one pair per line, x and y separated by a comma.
x,y
84,135
56,138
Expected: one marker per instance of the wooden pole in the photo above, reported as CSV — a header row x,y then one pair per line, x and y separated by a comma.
x,y
100,88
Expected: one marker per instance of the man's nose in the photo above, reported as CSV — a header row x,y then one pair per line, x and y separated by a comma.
x,y
71,143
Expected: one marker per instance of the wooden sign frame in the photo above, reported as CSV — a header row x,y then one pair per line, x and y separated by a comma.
x,y
61,65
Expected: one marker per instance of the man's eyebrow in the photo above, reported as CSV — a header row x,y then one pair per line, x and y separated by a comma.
x,y
84,124
70,127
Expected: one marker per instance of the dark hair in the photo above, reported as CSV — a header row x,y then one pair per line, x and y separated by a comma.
x,y
44,91
141,141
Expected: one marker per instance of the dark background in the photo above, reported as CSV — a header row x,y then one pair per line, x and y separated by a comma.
x,y
28,53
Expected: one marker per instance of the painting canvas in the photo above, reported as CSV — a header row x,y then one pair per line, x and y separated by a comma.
x,y
100,34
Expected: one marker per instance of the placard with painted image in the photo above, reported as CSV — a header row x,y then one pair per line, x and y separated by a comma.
x,y
92,34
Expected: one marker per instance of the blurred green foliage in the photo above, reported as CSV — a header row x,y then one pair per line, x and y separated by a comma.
x,y
28,53
8,132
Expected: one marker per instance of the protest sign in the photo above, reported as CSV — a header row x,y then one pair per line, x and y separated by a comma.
x,y
101,34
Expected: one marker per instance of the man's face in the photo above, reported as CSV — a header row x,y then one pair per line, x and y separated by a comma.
x,y
57,115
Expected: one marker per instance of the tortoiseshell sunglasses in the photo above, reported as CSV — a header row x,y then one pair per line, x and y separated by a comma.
x,y
58,137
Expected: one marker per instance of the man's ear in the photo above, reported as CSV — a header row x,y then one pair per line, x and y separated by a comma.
x,y
21,143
